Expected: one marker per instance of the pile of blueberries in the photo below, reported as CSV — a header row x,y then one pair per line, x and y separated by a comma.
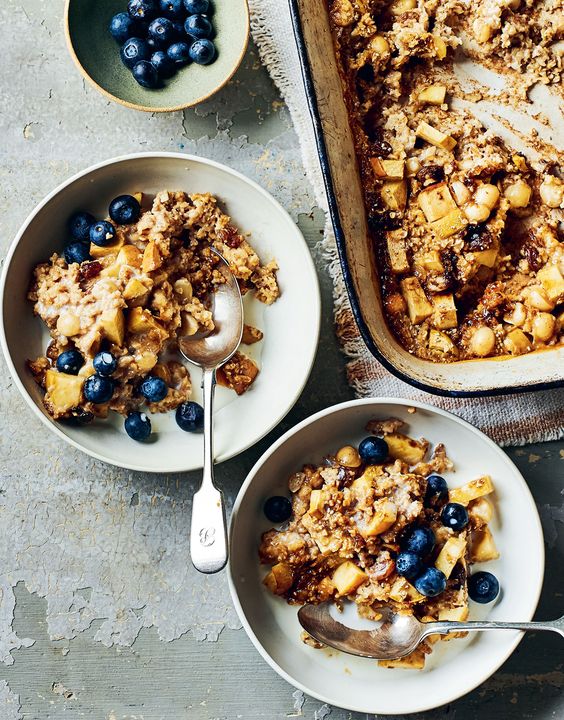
x,y
158,37
99,389
419,542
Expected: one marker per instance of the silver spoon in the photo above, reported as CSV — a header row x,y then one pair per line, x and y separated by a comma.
x,y
397,635
208,535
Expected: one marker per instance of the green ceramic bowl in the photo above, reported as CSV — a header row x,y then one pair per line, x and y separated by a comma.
x,y
96,55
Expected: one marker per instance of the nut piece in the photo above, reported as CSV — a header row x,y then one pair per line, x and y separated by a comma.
x,y
461,192
444,312
348,457
436,201
537,298
482,342
398,7
517,342
434,94
440,342
379,45
552,191
418,307
544,326
487,195
553,283
68,324
413,166
435,137
477,213
394,194
518,193
450,224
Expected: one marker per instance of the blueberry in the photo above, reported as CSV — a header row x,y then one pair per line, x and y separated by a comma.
x,y
278,509
137,426
122,27
134,50
437,490
483,587
190,416
104,363
125,210
145,74
98,389
196,6
162,31
102,233
454,516
70,362
144,9
79,225
373,450
202,52
163,64
179,30
408,565
173,9
198,26
421,540
431,582
76,252
154,389
179,53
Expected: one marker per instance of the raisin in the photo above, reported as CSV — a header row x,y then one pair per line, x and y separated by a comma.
x,y
430,174
448,259
88,270
531,252
230,237
366,73
478,237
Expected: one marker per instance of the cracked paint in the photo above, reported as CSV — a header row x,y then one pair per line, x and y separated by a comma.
x,y
9,703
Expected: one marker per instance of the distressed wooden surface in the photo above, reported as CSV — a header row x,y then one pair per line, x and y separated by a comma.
x,y
52,125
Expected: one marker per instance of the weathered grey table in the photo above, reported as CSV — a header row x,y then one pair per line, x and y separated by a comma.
x,y
101,615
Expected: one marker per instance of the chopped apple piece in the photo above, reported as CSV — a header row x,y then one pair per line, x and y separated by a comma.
x,y
404,448
385,515
471,490
398,7
450,554
63,391
402,590
457,614
316,503
279,579
347,577
112,324
414,661
151,258
450,224
520,162
433,94
487,257
394,194
431,261
517,343
552,281
140,321
397,252
388,169
98,251
483,546
418,307
440,46
436,201
139,197
129,255
444,311
435,137
440,342
135,292
146,361
480,510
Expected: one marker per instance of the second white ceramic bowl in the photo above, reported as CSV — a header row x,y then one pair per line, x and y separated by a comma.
x,y
358,684
290,325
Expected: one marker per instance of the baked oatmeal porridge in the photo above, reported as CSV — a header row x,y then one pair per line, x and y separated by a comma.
x,y
378,525
467,232
115,306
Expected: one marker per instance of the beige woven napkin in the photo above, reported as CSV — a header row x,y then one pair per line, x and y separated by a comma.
x,y
508,419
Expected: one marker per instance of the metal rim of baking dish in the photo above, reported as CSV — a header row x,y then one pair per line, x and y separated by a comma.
x,y
341,242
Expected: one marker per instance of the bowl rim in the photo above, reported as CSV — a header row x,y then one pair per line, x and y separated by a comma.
x,y
340,240
146,108
484,675
185,157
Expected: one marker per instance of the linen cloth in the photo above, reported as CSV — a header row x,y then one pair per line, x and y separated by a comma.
x,y
509,419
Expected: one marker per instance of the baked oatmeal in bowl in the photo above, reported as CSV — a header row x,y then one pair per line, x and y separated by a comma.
x,y
127,296
381,503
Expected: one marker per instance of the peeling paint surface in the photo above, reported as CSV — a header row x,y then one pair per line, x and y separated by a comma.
x,y
101,612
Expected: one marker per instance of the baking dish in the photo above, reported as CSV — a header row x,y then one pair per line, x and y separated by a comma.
x,y
491,376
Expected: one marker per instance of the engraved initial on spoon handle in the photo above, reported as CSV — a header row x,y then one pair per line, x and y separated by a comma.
x,y
208,535
556,626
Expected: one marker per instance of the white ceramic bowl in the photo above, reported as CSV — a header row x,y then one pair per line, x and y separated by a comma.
x,y
291,325
358,684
